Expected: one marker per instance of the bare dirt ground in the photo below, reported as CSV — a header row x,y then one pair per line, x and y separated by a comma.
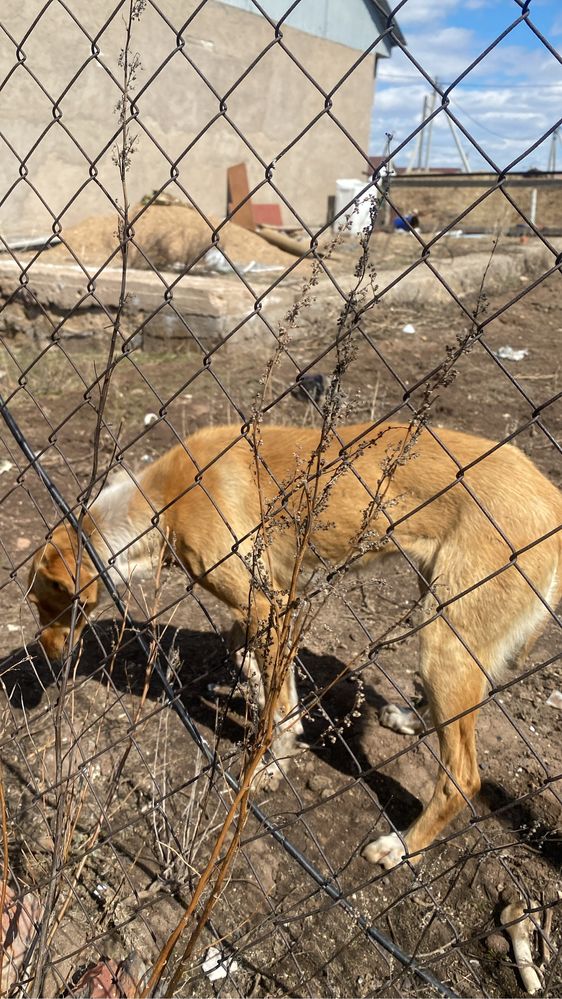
x,y
157,828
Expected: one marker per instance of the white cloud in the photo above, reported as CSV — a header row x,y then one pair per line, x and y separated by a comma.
x,y
442,52
507,102
424,11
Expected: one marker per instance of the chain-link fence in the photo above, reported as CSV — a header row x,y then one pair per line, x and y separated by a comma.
x,y
213,735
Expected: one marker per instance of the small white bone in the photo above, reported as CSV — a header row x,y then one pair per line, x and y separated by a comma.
x,y
520,936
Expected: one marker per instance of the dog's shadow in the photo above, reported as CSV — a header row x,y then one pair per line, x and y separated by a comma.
x,y
200,660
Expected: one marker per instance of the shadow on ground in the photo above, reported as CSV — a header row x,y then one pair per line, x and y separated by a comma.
x,y
202,659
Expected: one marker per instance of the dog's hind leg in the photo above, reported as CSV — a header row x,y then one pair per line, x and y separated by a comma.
x,y
454,685
489,629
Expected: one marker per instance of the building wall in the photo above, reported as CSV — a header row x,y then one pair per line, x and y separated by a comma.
x,y
269,108
324,19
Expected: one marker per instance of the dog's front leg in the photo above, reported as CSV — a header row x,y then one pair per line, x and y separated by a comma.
x,y
287,731
277,688
247,665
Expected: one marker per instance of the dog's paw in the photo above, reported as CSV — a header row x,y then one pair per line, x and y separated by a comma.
x,y
387,851
399,719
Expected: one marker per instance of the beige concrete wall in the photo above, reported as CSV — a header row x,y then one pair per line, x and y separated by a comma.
x,y
270,107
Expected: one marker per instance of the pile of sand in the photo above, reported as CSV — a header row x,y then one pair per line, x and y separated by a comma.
x,y
166,236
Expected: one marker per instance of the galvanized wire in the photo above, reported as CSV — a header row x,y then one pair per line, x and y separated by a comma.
x,y
69,504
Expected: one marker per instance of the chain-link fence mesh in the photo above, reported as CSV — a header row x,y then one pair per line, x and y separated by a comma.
x,y
176,273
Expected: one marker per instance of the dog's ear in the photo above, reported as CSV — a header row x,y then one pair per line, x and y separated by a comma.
x,y
62,584
52,576
49,580
56,564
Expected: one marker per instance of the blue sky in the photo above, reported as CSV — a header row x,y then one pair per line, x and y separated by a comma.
x,y
507,102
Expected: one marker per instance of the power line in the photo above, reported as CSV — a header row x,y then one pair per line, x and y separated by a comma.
x,y
497,135
485,128
486,86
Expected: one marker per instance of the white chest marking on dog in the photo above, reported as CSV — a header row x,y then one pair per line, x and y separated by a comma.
x,y
131,543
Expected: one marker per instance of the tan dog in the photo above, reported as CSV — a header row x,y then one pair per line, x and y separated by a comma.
x,y
486,538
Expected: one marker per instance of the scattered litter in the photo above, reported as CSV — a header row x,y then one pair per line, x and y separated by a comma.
x,y
255,268
101,889
408,328
16,627
511,354
215,261
217,966
458,233
555,699
149,419
5,466
22,544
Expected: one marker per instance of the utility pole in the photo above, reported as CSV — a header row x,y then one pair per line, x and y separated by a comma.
x,y
416,159
421,155
460,149
552,152
430,109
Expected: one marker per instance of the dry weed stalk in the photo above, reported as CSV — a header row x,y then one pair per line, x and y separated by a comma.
x,y
122,156
114,780
289,614
5,864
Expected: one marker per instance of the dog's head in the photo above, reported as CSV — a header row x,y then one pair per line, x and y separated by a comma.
x,y
54,585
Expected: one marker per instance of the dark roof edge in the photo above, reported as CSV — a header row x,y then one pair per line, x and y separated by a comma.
x,y
384,9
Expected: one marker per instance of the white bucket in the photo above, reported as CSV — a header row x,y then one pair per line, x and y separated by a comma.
x,y
349,190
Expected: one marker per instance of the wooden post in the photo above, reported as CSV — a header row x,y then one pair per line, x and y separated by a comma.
x,y
238,189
